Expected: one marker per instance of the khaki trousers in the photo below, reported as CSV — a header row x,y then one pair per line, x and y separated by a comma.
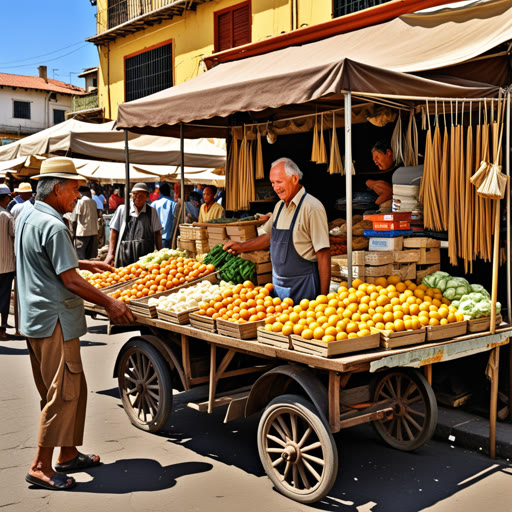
x,y
60,380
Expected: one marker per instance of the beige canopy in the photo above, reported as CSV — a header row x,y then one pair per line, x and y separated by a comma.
x,y
313,76
104,142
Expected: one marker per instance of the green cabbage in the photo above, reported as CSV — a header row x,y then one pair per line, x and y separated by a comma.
x,y
480,289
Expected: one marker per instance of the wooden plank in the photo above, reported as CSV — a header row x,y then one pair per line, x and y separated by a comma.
x,y
236,409
334,401
213,380
185,360
493,371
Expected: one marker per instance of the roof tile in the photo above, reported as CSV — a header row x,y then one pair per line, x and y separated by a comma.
x,y
36,82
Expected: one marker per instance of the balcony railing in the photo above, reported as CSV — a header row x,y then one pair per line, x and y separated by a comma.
x,y
342,7
85,102
119,12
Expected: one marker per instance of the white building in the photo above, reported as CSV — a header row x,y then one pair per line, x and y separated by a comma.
x,y
29,104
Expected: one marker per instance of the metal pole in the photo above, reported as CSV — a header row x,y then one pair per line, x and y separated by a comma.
x,y
182,181
126,179
507,259
348,180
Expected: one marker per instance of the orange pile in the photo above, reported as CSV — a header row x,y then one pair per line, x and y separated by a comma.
x,y
389,304
164,276
245,303
120,275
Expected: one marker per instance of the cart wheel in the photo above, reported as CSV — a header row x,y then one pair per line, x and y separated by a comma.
x,y
297,449
145,385
415,416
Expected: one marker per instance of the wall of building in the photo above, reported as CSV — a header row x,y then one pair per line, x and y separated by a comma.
x,y
193,37
41,111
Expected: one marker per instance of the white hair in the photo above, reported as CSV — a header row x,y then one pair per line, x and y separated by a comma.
x,y
45,186
290,167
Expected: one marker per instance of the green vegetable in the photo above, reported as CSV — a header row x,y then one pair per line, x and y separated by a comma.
x,y
480,289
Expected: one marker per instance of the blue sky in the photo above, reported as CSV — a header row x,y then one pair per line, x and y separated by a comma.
x,y
51,33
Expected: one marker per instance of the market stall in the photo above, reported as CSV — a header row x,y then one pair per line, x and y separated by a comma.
x,y
312,88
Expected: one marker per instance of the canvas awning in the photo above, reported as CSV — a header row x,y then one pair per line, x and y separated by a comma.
x,y
102,141
373,60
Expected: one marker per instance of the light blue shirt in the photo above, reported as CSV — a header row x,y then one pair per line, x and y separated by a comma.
x,y
100,201
165,207
44,250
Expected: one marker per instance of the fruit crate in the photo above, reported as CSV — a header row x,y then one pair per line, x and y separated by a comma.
x,y
444,332
390,339
203,322
245,331
275,339
335,348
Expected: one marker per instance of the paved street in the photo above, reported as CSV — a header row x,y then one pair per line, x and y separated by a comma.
x,y
201,464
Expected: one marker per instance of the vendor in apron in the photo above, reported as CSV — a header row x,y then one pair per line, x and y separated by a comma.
x,y
298,237
140,236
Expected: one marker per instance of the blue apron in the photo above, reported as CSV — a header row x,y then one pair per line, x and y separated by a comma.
x,y
292,275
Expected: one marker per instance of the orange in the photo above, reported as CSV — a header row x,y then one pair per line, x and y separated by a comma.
x,y
399,325
390,326
381,281
287,330
322,299
298,329
318,333
356,283
277,327
380,325
433,321
352,327
388,317
363,332
341,336
307,334
331,331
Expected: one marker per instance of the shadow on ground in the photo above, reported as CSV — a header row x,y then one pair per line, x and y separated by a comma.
x,y
137,475
371,475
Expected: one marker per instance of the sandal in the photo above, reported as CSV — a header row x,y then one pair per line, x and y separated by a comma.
x,y
58,482
81,461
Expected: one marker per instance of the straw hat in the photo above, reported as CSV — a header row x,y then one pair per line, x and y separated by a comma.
x,y
141,187
5,190
24,187
58,167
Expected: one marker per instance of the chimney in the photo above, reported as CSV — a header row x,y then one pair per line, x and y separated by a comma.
x,y
43,73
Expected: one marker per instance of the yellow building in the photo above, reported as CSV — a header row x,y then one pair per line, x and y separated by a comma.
x,y
149,45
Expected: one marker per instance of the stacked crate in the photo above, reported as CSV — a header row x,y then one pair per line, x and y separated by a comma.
x,y
217,235
429,259
263,265
190,236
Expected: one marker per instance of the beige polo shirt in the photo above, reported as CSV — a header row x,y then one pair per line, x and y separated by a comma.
x,y
311,233
86,216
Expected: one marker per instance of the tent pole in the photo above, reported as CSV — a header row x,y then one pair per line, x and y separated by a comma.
x,y
507,171
182,177
127,179
348,180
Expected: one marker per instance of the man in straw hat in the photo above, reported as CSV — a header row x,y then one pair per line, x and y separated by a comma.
x,y
141,235
26,199
51,313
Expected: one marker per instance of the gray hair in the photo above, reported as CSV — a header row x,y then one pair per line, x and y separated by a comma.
x,y
45,186
290,167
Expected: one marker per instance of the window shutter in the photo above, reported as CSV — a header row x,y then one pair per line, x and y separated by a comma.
x,y
225,31
241,26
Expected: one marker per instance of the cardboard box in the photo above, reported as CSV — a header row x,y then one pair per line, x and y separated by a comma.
x,y
405,271
365,258
246,232
256,256
417,243
386,244
380,225
392,216
363,272
408,256
429,256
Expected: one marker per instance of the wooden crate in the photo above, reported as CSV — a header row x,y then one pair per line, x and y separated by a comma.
x,y
405,271
429,256
181,318
213,242
275,339
118,286
202,246
246,331
444,332
421,242
190,232
425,270
358,258
142,307
407,256
256,256
363,272
483,324
241,233
186,244
202,322
217,232
389,339
335,348
263,278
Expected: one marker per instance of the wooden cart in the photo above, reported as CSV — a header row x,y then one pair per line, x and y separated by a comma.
x,y
305,398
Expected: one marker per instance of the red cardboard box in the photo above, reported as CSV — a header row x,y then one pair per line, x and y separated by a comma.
x,y
390,226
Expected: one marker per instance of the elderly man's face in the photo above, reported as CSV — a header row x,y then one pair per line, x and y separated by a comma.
x,y
139,199
383,161
67,195
284,186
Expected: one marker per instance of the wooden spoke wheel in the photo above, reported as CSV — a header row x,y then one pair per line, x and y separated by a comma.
x,y
297,449
145,385
415,415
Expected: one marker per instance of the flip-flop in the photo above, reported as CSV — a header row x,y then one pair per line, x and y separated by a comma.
x,y
81,461
58,482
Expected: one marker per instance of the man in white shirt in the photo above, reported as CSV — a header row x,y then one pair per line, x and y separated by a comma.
x,y
85,225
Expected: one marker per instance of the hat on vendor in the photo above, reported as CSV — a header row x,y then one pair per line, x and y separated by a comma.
x,y
4,190
24,187
59,167
140,187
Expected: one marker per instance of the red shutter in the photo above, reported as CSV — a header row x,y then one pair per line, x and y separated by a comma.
x,y
224,31
241,26
233,27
